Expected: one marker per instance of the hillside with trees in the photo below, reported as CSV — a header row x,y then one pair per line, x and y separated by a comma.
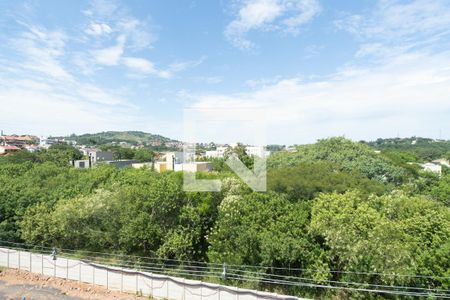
x,y
416,148
335,212
117,137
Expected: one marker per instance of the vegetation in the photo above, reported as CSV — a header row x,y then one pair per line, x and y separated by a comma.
x,y
422,149
333,205
155,141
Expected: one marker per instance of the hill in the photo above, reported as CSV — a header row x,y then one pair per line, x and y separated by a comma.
x,y
424,149
346,155
128,137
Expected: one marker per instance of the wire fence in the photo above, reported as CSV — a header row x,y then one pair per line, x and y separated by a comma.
x,y
180,278
120,278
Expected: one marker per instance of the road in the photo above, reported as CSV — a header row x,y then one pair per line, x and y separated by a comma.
x,y
30,291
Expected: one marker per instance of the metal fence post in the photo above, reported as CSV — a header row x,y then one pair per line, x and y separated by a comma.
x,y
54,268
137,282
184,289
19,259
201,290
31,263
93,275
167,287
79,272
67,269
7,258
237,293
151,284
121,280
107,279
42,264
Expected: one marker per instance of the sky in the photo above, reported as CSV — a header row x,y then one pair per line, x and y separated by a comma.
x,y
307,69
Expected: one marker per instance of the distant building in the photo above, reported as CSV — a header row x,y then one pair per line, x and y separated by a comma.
x,y
46,142
31,148
160,166
175,161
7,149
442,162
17,140
258,151
122,163
218,153
99,156
432,167
198,166
94,156
142,165
173,158
82,164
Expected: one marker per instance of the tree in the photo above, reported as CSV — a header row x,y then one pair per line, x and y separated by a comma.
x,y
149,210
305,181
441,191
241,153
144,155
264,230
348,156
87,222
389,234
119,151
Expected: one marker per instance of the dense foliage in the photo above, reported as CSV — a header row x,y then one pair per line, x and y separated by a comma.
x,y
333,205
155,141
423,149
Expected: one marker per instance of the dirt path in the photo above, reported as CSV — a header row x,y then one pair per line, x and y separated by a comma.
x,y
15,284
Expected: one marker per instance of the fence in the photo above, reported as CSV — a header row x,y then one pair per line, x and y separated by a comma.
x,y
127,280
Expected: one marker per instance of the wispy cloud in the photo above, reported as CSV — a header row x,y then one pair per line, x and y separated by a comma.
x,y
41,50
39,91
110,56
280,15
399,22
405,94
98,29
113,19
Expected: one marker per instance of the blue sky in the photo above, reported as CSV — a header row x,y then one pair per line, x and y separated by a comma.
x,y
363,69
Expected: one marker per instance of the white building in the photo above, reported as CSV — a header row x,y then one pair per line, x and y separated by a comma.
x,y
218,153
198,166
173,158
442,162
431,167
258,151
98,156
45,142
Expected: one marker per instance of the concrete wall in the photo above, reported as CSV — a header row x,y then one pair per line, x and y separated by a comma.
x,y
128,280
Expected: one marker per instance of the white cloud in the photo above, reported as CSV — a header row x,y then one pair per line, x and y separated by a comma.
x,y
98,29
41,51
110,56
183,65
284,15
209,79
101,9
142,66
139,64
139,34
399,21
38,93
409,94
112,18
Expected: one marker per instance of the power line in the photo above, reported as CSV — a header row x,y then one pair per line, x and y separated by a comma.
x,y
219,265
254,276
